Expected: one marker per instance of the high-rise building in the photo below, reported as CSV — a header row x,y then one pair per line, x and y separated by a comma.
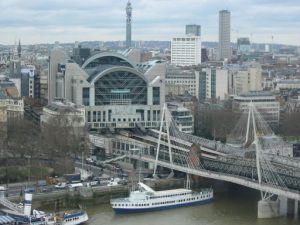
x,y
243,45
224,35
204,55
193,29
27,81
128,24
19,49
55,73
80,54
186,51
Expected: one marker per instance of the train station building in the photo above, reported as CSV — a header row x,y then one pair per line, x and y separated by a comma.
x,y
115,92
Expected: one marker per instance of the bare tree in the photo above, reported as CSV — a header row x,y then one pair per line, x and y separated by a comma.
x,y
22,137
63,141
212,123
290,125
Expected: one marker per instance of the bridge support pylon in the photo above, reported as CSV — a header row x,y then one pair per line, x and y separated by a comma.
x,y
268,208
296,209
2,192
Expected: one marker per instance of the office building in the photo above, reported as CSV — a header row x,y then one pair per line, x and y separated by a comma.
x,y
204,55
263,101
55,72
288,84
243,45
193,29
182,81
213,84
10,100
244,78
80,54
63,113
182,117
28,82
224,35
186,51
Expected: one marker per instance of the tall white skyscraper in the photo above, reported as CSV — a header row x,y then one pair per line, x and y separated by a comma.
x,y
224,35
186,51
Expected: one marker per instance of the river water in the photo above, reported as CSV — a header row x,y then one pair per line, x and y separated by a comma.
x,y
237,207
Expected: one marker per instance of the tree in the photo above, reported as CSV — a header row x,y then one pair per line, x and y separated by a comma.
x,y
22,137
63,140
215,123
291,124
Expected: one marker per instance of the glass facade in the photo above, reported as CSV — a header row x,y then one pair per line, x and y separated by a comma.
x,y
202,86
213,84
86,96
120,88
156,95
108,60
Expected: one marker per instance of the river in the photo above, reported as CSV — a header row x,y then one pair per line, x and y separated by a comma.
x,y
236,207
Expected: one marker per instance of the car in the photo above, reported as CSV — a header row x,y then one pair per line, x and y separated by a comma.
x,y
92,183
100,164
123,175
61,185
75,185
117,166
123,182
29,190
2,188
44,189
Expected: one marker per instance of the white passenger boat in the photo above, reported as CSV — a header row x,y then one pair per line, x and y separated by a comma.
x,y
146,199
73,218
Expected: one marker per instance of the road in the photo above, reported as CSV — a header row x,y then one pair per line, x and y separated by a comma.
x,y
17,189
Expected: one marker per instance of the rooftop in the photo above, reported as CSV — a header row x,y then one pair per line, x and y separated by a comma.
x,y
256,94
61,105
144,67
289,82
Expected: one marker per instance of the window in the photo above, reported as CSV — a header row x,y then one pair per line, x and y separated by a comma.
x,y
99,116
86,96
156,95
94,116
109,115
89,116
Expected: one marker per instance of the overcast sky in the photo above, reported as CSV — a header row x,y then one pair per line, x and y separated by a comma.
x,y
45,21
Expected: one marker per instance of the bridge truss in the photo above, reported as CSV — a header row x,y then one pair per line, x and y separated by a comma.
x,y
258,161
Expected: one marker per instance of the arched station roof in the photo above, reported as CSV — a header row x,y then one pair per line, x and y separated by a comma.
x,y
108,58
94,78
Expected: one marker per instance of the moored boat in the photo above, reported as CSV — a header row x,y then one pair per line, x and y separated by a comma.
x,y
23,214
146,199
